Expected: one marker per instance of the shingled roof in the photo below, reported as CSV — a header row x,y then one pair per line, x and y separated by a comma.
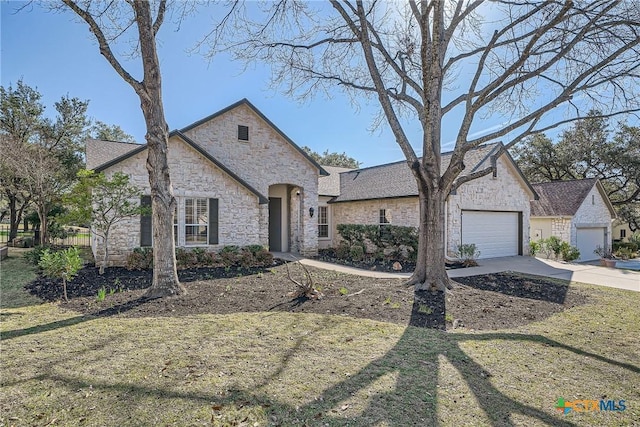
x,y
563,198
329,185
99,152
396,180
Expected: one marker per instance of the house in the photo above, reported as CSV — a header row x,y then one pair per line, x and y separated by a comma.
x,y
621,231
237,178
577,211
328,188
491,212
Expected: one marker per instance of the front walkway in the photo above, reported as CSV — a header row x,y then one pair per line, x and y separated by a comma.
x,y
592,274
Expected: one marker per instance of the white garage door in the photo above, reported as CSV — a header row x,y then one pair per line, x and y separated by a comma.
x,y
587,239
494,233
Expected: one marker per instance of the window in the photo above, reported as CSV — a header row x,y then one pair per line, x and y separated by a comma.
x,y
623,233
384,217
196,221
323,222
243,133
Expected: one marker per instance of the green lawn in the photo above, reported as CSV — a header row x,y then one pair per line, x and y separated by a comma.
x,y
259,369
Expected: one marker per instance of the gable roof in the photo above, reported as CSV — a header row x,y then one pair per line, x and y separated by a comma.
x,y
99,152
245,101
396,179
329,185
139,148
564,198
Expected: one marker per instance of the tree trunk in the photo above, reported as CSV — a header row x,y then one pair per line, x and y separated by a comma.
x,y
105,257
13,219
165,276
42,215
430,272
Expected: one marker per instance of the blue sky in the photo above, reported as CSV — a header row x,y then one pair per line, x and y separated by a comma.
x,y
56,53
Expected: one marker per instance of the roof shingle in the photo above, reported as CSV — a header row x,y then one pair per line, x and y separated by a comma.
x,y
99,152
561,198
396,179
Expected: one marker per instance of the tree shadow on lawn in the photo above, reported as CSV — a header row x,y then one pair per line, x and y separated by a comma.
x,y
52,326
413,363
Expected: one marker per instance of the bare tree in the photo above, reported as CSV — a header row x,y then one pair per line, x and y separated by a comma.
x,y
454,61
107,21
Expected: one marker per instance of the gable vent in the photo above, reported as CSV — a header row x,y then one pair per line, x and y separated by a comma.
x,y
243,133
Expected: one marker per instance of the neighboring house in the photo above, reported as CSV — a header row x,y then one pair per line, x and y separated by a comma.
x,y
577,211
621,231
491,211
237,178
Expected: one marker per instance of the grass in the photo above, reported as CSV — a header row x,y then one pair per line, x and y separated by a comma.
x,y
14,274
288,369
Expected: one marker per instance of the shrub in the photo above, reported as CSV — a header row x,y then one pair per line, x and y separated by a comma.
x,y
230,255
139,259
61,265
33,256
254,249
401,242
342,251
632,246
356,252
569,253
185,258
534,248
624,253
468,253
555,244
263,258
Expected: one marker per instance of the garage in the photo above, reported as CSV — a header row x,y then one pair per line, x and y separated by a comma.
x,y
587,240
495,234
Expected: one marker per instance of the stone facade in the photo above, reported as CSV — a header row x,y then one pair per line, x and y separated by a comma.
x,y
593,212
505,192
266,159
240,215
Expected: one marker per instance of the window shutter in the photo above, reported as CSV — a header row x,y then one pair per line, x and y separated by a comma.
x,y
145,223
213,221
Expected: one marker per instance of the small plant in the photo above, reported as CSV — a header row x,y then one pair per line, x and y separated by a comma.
x,y
387,301
61,265
260,275
624,253
343,291
140,259
448,317
395,305
569,253
534,248
603,253
102,294
33,256
356,252
468,253
424,309
555,244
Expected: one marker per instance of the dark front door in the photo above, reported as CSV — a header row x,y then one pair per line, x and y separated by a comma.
x,y
275,224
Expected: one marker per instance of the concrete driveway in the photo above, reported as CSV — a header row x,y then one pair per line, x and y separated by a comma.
x,y
592,274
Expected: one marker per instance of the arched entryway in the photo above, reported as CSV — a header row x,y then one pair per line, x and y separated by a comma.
x,y
284,217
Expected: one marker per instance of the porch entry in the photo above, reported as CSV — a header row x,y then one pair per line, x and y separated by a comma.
x,y
285,220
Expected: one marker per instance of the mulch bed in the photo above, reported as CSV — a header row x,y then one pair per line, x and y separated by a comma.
x,y
373,264
485,302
